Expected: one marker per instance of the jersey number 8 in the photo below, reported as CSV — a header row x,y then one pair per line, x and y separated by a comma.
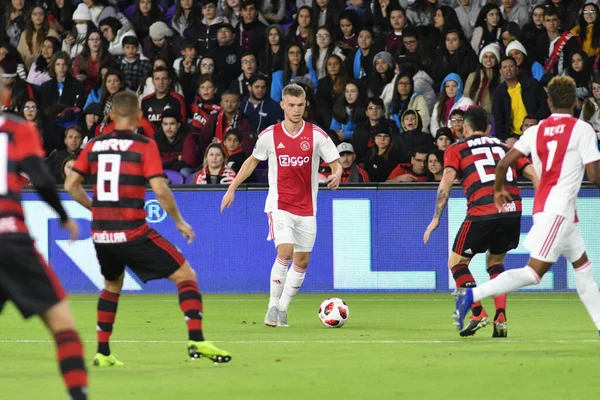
x,y
489,161
109,168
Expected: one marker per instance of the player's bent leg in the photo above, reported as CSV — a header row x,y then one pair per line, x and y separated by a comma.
x,y
279,271
190,302
294,280
587,288
69,349
108,303
495,266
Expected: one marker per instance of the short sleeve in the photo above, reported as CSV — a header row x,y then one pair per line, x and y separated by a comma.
x,y
526,142
261,150
82,164
521,163
29,143
151,163
326,149
452,158
588,144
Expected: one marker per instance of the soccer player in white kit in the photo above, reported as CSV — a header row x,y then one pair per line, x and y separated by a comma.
x,y
294,149
562,148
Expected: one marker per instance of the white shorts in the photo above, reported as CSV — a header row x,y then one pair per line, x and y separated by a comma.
x,y
285,227
552,235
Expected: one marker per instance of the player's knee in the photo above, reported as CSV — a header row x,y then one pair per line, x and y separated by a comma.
x,y
59,318
456,259
301,260
184,273
285,251
114,286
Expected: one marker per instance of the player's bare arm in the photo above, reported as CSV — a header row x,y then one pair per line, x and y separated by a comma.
x,y
501,195
333,180
443,194
167,201
529,173
247,169
74,185
592,171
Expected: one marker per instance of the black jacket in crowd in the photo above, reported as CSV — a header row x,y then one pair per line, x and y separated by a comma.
x,y
463,62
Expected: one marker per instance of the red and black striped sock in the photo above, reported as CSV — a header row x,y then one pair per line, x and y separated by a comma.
x,y
69,352
464,279
190,302
499,301
107,312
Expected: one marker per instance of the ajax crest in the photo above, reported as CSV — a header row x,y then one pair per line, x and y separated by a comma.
x,y
305,146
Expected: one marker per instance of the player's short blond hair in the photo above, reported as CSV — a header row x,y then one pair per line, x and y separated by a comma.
x,y
293,90
561,91
125,104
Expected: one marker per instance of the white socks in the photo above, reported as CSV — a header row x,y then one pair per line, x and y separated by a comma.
x,y
508,281
279,273
295,277
588,291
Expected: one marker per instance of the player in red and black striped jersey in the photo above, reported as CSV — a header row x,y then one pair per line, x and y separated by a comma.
x,y
473,160
118,164
25,277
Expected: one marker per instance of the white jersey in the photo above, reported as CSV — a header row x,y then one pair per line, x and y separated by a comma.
x,y
293,166
560,147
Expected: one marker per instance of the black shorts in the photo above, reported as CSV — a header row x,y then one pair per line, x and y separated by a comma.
x,y
150,256
497,235
25,277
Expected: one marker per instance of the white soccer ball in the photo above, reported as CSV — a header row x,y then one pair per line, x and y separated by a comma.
x,y
334,313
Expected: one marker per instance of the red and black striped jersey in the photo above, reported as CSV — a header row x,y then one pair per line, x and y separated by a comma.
x,y
118,165
19,140
475,159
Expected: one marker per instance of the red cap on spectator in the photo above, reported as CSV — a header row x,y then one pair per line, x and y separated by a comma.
x,y
9,66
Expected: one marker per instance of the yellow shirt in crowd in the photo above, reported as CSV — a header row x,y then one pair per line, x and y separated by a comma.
x,y
586,44
518,111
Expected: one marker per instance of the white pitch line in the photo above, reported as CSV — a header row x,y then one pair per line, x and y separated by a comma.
x,y
556,341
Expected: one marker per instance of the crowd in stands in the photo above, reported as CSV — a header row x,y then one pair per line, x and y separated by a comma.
x,y
388,80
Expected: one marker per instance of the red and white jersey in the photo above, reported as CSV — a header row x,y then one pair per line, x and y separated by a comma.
x,y
560,147
293,166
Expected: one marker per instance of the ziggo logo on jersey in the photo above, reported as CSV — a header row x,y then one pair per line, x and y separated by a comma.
x,y
287,161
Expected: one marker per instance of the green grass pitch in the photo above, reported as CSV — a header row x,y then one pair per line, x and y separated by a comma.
x,y
395,346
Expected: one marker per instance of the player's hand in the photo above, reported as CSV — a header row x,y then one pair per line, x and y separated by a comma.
x,y
501,198
433,225
186,230
333,181
73,228
227,200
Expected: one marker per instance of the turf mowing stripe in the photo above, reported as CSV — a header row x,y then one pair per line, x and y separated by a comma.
x,y
557,341
211,300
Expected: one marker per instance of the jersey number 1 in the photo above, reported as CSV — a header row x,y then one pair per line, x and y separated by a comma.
x,y
109,167
489,161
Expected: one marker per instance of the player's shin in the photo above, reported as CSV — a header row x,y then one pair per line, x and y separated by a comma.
x,y
107,312
295,277
279,273
190,302
507,282
69,352
464,279
499,301
588,291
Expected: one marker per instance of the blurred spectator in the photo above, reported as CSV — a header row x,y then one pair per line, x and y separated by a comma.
x,y
37,28
211,16
147,12
31,112
249,68
567,11
96,92
528,67
444,20
90,118
435,165
76,38
275,11
133,65
379,162
316,57
481,84
214,168
101,9
227,55
204,33
515,98
160,43
331,86
261,109
555,48
310,111
170,139
114,32
163,98
18,91
377,15
349,28
421,83
10,51
382,73
360,61
451,98
588,29
467,13
414,50
147,88
528,122
113,83
413,172
411,137
250,32
364,134
205,103
512,11
67,167
532,31
73,138
348,112
444,138
38,73
271,56
419,13
188,63
301,31
457,118
86,67
13,20
352,172
293,66
406,98
580,69
591,106
234,152
455,57
392,42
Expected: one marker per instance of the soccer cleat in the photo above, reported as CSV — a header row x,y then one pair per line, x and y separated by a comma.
x,y
500,328
100,360
475,324
209,350
464,301
282,321
271,317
